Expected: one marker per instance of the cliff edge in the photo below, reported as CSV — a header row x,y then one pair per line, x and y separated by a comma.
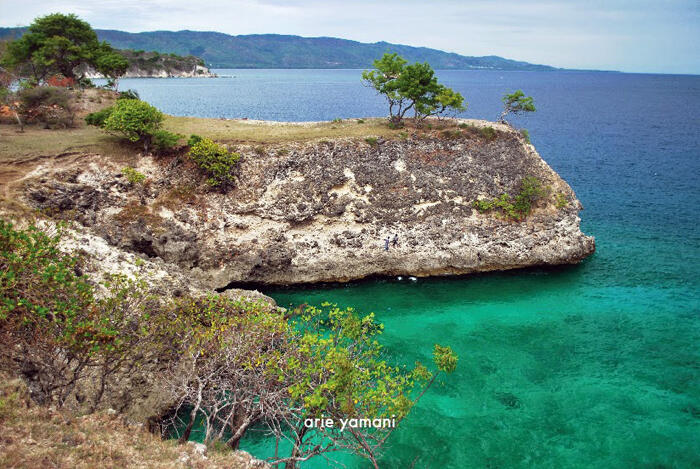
x,y
321,210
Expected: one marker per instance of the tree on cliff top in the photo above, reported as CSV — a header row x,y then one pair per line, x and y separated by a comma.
x,y
516,103
58,44
413,86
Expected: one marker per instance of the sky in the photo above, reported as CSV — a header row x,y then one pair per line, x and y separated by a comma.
x,y
652,36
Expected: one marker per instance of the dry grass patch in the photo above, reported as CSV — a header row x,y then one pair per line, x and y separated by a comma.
x,y
35,141
251,131
33,437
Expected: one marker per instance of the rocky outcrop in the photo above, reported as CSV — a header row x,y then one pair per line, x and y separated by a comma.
x,y
152,64
320,211
197,71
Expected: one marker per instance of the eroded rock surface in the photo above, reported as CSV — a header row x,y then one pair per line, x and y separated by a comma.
x,y
319,211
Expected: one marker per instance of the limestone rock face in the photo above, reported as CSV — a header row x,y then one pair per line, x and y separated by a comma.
x,y
319,211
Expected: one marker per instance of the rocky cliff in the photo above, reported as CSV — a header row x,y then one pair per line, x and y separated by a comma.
x,y
155,65
320,210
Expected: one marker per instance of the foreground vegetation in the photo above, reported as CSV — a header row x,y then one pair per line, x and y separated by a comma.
x,y
230,364
37,436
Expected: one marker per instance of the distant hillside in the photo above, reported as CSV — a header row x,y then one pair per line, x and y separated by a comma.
x,y
278,51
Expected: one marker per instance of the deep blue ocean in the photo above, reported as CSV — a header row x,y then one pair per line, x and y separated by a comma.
x,y
595,365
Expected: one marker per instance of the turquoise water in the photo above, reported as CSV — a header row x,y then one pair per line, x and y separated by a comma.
x,y
595,365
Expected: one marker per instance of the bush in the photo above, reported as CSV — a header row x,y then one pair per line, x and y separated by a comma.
x,y
489,133
47,104
371,140
98,118
47,320
133,176
525,134
136,120
194,139
518,207
215,160
164,140
562,200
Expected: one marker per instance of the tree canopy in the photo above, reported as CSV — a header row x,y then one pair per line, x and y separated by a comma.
x,y
411,86
516,103
61,44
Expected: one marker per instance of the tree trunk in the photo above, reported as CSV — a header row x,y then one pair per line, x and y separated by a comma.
x,y
188,430
292,464
19,121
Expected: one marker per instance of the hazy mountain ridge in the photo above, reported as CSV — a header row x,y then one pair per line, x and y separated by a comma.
x,y
221,50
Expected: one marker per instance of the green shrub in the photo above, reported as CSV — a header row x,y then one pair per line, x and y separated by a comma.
x,y
518,207
489,133
163,140
531,190
360,121
46,309
193,140
133,176
98,118
371,140
525,134
215,160
136,120
562,200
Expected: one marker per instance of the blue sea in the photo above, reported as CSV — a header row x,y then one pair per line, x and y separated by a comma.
x,y
589,366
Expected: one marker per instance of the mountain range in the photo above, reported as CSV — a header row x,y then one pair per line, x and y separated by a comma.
x,y
221,50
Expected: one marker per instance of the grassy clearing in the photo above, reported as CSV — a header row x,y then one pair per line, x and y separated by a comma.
x,y
37,141
244,131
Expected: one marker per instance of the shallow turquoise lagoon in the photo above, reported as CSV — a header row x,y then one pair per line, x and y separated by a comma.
x,y
595,365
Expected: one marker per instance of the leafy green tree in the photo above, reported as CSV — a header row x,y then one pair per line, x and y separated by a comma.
x,y
384,79
112,65
413,86
134,119
225,369
516,103
339,373
51,328
59,43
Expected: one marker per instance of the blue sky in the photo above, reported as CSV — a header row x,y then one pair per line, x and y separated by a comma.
x,y
636,36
